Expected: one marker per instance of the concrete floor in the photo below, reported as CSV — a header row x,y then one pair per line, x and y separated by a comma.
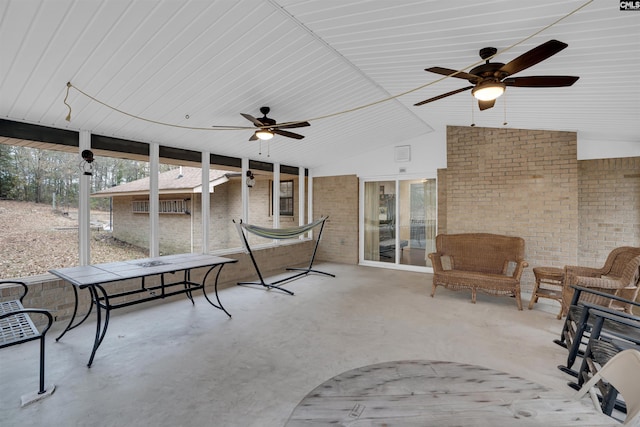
x,y
171,364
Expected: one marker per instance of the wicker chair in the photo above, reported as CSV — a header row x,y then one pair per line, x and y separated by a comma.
x,y
613,286
610,291
488,263
618,276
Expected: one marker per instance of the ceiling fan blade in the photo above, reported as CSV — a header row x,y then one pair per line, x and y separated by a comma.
x,y
541,81
448,72
534,56
444,95
288,134
254,137
291,125
485,105
252,119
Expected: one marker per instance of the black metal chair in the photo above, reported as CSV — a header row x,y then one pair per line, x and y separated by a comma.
x,y
578,324
17,327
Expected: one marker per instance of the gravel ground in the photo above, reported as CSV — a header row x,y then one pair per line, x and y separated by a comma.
x,y
34,239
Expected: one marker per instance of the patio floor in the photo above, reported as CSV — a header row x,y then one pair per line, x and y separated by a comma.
x,y
173,364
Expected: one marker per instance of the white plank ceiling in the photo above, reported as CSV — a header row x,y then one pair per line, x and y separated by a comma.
x,y
342,65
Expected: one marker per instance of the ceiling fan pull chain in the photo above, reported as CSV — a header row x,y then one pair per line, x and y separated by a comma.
x,y
505,109
473,116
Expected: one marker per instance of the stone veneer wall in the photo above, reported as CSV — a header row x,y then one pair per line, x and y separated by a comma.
x,y
514,182
337,197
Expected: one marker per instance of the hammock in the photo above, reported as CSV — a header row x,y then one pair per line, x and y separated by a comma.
x,y
280,234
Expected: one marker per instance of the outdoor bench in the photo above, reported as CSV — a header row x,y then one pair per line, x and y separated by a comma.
x,y
17,327
484,262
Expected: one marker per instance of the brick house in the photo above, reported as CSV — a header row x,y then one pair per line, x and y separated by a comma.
x,y
180,201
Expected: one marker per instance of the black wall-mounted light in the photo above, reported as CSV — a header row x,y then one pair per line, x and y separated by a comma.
x,y
86,165
250,179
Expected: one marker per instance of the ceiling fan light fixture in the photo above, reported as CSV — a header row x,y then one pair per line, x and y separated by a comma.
x,y
488,90
264,134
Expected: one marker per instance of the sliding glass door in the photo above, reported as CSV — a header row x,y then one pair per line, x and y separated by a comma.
x,y
379,221
399,221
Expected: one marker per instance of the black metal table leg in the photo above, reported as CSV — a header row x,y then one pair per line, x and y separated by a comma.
x,y
204,282
71,326
187,286
101,330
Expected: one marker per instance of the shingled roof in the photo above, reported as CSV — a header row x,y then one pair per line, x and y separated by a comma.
x,y
183,180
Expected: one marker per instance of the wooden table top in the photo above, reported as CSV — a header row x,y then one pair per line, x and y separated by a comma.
x,y
440,394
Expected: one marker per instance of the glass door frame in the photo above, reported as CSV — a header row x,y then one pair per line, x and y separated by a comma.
x,y
362,226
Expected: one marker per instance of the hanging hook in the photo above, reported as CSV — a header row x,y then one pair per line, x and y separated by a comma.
x,y
68,118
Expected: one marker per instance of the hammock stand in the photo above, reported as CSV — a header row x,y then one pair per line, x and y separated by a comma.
x,y
281,233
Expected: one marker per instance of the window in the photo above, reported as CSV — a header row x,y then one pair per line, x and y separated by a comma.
x,y
174,206
140,206
286,198
178,206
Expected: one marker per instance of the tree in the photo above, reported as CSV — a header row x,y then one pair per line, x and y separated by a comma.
x,y
8,179
35,175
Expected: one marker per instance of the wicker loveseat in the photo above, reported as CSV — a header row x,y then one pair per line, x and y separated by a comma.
x,y
489,263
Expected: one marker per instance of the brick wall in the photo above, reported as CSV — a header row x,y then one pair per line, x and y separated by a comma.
x,y
337,197
514,182
609,200
127,226
442,200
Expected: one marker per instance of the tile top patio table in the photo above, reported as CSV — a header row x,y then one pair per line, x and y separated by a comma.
x,y
97,278
428,393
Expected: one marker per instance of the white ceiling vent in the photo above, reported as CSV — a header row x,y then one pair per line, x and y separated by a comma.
x,y
403,153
